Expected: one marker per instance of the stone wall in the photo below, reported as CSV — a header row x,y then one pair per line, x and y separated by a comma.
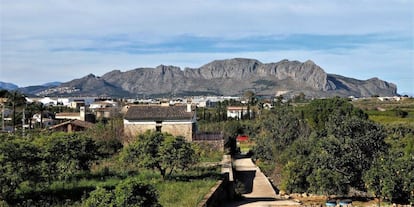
x,y
212,144
223,191
131,129
179,129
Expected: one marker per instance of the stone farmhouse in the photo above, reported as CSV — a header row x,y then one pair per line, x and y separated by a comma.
x,y
176,120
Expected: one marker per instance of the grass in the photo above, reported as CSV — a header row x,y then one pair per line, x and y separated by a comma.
x,y
384,112
181,189
181,193
246,146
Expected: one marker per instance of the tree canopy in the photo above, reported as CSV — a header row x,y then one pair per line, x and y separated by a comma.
x,y
160,151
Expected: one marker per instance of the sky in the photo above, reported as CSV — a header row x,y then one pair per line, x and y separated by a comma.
x,y
59,40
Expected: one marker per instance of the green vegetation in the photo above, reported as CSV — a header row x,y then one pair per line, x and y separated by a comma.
x,y
163,152
330,146
71,169
177,193
389,113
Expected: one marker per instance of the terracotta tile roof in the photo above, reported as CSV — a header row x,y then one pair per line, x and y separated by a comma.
x,y
80,123
158,113
67,114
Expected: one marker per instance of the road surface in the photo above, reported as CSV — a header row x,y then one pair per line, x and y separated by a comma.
x,y
259,191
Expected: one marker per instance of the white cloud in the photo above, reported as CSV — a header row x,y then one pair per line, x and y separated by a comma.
x,y
210,18
48,40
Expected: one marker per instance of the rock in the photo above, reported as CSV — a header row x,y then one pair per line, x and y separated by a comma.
x,y
286,197
228,77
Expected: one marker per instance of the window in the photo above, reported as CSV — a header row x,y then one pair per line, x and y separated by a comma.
x,y
158,128
158,125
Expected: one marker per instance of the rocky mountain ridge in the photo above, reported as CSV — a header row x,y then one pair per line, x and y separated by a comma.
x,y
225,77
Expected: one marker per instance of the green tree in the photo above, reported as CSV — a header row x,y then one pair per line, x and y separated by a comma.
x,y
391,175
15,99
337,154
297,166
337,161
321,111
66,154
160,151
19,163
177,153
326,181
100,197
358,142
264,149
281,126
41,108
132,192
107,137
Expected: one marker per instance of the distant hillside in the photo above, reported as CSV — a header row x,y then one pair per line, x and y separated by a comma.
x,y
35,90
55,83
225,77
8,86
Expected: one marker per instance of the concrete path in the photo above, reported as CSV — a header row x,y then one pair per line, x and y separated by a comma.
x,y
259,190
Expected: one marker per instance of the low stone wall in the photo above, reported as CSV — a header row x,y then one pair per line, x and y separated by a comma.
x,y
212,144
224,189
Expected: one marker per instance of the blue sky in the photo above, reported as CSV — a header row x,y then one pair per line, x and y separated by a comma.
x,y
59,40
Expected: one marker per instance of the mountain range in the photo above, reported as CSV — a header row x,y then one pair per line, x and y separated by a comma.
x,y
222,77
8,86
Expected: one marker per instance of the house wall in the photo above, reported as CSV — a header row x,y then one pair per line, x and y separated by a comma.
x,y
179,129
185,129
132,129
236,113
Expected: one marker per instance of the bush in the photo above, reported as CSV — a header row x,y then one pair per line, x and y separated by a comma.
x,y
400,113
99,198
132,192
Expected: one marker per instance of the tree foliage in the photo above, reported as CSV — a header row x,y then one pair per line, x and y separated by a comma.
x,y
130,192
323,111
324,148
14,100
160,151
65,154
19,164
391,175
278,129
28,163
100,197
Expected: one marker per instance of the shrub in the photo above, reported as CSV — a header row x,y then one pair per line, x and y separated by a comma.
x,y
99,198
132,192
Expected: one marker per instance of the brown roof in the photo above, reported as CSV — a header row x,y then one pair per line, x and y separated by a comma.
x,y
67,114
80,123
158,113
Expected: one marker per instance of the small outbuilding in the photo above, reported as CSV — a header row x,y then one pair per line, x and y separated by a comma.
x,y
176,120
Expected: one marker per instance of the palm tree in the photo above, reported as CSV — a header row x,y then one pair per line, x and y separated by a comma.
x,y
15,99
41,108
30,111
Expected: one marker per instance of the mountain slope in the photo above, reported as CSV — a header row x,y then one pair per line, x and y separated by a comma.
x,y
8,86
228,77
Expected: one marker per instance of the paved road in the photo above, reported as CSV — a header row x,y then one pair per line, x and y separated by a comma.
x,y
259,191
